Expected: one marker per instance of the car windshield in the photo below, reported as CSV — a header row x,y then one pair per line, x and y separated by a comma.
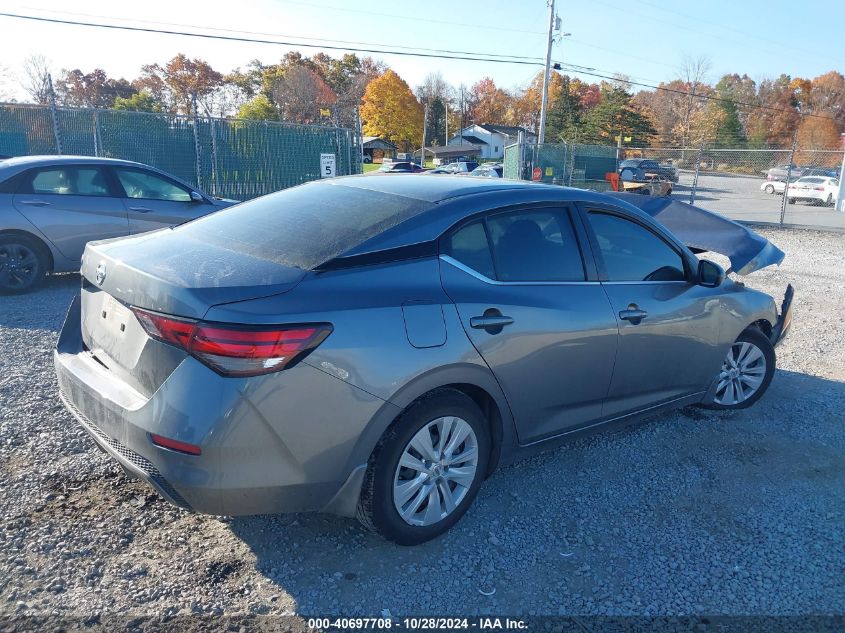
x,y
303,226
631,162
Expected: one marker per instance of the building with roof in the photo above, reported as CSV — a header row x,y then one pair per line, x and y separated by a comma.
x,y
491,139
376,149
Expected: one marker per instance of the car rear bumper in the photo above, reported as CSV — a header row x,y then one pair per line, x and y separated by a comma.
x,y
270,444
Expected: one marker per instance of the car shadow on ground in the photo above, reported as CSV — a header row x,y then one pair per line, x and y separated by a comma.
x,y
695,511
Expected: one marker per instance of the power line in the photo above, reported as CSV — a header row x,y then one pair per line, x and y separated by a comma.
x,y
231,38
591,72
297,37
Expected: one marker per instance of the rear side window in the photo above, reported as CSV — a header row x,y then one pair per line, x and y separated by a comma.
x,y
470,247
70,181
304,226
520,246
535,246
633,253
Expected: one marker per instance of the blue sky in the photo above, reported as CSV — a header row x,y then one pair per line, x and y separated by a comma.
x,y
645,39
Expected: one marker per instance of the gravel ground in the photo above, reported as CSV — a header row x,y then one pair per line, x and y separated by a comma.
x,y
691,512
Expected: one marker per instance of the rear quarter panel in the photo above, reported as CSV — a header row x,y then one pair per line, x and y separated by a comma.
x,y
370,346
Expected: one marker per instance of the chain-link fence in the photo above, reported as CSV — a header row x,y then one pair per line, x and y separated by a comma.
x,y
742,184
229,158
749,184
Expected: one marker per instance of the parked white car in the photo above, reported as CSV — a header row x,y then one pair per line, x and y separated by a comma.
x,y
773,186
815,189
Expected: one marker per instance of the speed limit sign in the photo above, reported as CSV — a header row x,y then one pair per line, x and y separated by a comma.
x,y
327,165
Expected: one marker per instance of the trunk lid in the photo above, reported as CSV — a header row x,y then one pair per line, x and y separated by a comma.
x,y
154,272
178,275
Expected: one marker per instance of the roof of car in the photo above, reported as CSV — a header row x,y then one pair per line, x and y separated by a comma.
x,y
32,161
448,187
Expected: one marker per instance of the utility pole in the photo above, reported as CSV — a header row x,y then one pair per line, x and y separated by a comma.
x,y
425,122
547,74
840,197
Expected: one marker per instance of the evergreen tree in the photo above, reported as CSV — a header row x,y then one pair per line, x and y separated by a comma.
x,y
564,116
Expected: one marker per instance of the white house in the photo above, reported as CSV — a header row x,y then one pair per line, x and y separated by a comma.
x,y
492,139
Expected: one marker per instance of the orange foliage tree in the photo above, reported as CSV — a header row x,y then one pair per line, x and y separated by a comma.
x,y
390,110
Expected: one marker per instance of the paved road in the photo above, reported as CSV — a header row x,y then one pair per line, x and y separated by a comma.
x,y
740,198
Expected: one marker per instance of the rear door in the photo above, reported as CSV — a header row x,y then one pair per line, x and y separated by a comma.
x,y
153,201
71,205
668,324
533,308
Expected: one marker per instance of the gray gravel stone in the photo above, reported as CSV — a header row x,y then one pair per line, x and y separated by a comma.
x,y
691,512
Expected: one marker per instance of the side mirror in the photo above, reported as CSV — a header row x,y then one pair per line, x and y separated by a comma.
x,y
196,197
710,274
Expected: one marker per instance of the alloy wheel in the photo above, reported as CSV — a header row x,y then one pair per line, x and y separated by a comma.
x,y
18,265
742,374
436,470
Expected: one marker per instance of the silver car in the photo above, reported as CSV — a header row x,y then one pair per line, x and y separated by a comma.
x,y
376,347
51,206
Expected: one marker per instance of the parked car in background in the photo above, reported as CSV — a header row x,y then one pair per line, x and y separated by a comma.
x,y
826,172
51,206
815,189
650,167
780,172
403,167
383,360
774,186
460,167
488,171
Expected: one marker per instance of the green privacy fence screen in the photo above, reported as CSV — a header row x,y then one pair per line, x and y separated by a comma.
x,y
228,158
571,164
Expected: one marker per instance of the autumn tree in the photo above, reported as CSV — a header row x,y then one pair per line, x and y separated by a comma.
x,y
91,90
300,94
774,124
487,103
827,95
615,116
36,78
390,110
525,107
181,83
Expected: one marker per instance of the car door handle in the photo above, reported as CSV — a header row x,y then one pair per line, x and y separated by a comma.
x,y
36,203
633,314
493,323
141,209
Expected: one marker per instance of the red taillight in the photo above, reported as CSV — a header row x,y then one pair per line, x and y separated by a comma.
x,y
175,445
236,350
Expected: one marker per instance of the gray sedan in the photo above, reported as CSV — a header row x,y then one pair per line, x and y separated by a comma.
x,y
376,347
51,206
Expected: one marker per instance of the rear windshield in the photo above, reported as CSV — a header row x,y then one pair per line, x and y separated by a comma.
x,y
304,226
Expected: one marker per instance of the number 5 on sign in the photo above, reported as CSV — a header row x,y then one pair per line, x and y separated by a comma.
x,y
327,165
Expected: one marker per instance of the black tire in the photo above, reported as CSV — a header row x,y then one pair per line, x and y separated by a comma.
x,y
791,200
829,201
376,510
770,189
23,263
761,341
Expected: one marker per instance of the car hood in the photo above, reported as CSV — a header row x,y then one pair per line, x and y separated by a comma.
x,y
703,230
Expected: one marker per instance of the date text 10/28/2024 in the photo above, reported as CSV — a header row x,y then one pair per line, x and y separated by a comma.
x,y
418,624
